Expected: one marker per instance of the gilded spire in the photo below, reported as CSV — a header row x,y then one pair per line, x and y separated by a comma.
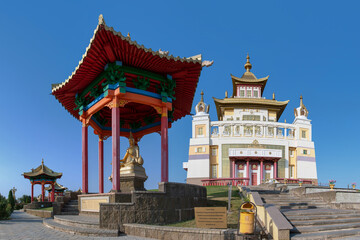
x,y
128,35
202,96
273,95
248,65
301,101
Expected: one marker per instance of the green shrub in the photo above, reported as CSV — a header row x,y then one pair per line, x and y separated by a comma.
x,y
5,212
11,201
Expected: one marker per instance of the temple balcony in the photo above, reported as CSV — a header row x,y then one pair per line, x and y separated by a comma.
x,y
260,129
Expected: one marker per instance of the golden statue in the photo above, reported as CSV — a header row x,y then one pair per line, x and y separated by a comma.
x,y
131,164
132,155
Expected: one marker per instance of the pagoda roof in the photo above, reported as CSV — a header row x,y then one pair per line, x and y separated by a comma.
x,y
58,187
42,170
258,103
108,46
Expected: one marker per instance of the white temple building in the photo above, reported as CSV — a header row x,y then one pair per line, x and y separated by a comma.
x,y
247,145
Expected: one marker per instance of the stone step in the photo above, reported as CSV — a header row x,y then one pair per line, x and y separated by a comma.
x,y
293,218
78,221
72,204
69,210
325,222
95,232
299,207
338,234
70,213
293,201
313,212
332,227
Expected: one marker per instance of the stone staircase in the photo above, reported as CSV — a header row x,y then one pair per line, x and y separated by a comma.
x,y
79,225
312,218
70,208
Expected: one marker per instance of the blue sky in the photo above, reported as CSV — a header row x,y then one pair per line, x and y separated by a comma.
x,y
307,47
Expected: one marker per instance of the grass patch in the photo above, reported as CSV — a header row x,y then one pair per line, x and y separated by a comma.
x,y
217,196
45,209
153,190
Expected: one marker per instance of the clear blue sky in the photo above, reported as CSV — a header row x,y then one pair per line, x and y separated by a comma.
x,y
307,47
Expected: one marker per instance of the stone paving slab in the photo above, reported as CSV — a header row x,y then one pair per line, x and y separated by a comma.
x,y
23,226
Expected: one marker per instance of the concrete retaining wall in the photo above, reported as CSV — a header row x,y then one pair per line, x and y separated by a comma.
x,y
172,203
40,213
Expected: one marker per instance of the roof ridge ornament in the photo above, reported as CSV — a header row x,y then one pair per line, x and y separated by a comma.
x,y
248,65
101,20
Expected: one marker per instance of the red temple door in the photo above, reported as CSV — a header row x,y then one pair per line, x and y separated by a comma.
x,y
253,179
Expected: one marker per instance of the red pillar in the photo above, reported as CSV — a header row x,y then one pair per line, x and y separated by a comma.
x,y
42,192
101,165
115,128
248,171
261,171
32,192
275,169
164,146
84,158
53,193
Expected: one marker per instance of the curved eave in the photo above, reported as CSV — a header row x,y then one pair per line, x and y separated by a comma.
x,y
259,103
32,175
107,46
237,80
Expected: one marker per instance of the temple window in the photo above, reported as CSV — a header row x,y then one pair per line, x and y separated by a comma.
x,y
200,149
291,169
213,171
248,93
271,131
213,152
305,152
242,93
258,130
303,134
200,131
256,93
251,118
248,130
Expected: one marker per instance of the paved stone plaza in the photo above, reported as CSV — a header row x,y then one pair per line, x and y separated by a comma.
x,y
24,226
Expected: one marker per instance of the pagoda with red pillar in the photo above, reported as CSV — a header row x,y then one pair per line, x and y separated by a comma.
x,y
121,87
57,190
42,175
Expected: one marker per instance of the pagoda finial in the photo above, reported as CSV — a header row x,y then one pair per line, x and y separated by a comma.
x,y
248,65
202,96
101,20
301,101
273,95
42,161
128,35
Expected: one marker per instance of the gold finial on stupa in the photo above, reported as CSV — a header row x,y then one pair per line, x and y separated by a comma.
x,y
202,96
226,94
248,65
128,35
301,101
273,95
285,120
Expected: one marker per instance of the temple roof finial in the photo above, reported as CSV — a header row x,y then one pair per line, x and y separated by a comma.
x,y
248,65
202,96
273,95
42,161
301,101
101,19
128,35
